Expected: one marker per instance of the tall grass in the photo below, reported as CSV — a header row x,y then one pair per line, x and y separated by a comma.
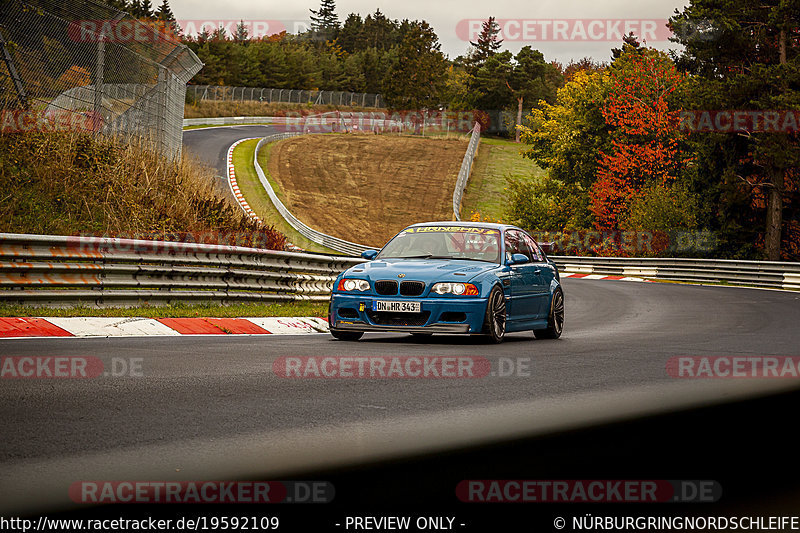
x,y
66,183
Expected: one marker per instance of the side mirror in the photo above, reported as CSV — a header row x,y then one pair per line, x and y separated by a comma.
x,y
369,255
518,259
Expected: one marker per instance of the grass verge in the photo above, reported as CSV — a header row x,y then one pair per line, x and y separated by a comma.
x,y
496,162
174,311
258,198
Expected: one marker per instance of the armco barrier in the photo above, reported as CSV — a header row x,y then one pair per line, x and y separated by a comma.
x,y
773,274
466,168
59,270
344,120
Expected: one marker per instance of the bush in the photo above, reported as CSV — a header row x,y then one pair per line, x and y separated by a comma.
x,y
662,208
62,183
547,205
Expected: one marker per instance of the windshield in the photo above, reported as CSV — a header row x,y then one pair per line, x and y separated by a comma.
x,y
445,242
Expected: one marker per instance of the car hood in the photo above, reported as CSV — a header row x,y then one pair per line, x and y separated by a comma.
x,y
426,270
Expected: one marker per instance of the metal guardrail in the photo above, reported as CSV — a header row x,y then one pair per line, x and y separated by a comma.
x,y
230,121
329,241
62,270
297,96
466,168
773,274
344,120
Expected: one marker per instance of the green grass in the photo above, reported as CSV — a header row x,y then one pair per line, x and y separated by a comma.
x,y
175,310
497,160
257,197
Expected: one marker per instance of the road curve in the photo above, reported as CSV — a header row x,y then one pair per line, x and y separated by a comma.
x,y
210,145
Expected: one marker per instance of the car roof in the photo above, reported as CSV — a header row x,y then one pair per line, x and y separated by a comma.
x,y
491,225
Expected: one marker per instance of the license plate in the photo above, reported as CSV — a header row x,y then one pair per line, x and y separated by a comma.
x,y
398,307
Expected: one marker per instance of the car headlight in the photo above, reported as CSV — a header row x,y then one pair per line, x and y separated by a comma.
x,y
353,285
459,289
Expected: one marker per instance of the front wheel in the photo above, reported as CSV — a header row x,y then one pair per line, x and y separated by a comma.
x,y
555,320
347,335
495,322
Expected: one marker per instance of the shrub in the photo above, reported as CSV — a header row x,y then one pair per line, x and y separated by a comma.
x,y
64,183
547,205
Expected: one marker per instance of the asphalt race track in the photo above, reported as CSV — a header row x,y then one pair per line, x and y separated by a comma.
x,y
201,400
210,145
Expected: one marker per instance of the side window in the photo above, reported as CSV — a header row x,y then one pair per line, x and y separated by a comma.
x,y
538,256
515,244
512,244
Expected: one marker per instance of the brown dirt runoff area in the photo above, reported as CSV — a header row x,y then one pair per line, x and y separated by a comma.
x,y
366,188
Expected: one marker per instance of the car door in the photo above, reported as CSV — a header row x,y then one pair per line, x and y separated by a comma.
x,y
524,292
544,274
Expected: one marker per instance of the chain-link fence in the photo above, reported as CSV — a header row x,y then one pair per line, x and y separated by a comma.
x,y
83,65
288,96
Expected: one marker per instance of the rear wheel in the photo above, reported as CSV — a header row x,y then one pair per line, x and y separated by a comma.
x,y
495,322
347,335
555,320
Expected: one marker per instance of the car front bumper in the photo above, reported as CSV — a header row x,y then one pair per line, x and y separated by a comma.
x,y
439,315
433,328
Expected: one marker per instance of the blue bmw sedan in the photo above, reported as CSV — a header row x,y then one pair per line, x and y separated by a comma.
x,y
451,277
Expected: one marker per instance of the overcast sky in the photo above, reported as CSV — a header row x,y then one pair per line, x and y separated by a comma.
x,y
538,18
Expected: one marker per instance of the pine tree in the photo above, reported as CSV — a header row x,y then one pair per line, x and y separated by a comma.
x,y
325,21
164,12
488,44
416,79
147,9
351,35
241,34
135,8
629,43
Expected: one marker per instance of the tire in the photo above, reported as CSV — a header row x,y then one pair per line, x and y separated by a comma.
x,y
347,335
494,325
555,320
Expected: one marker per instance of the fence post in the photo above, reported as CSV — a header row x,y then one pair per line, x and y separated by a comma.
x,y
162,104
98,75
12,70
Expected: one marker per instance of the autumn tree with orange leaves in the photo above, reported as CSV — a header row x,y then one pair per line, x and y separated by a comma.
x,y
644,148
